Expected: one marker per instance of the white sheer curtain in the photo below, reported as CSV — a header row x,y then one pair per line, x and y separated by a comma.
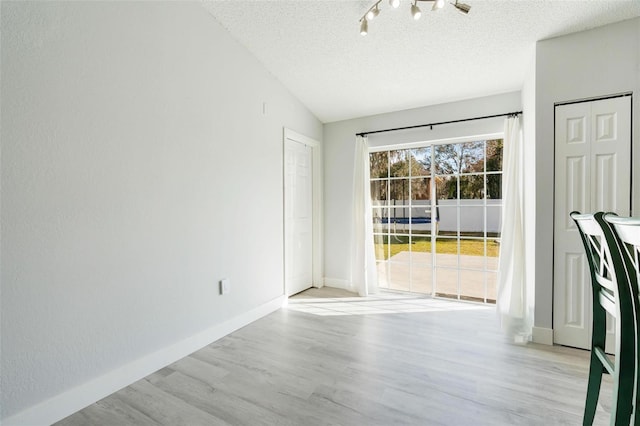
x,y
364,277
514,303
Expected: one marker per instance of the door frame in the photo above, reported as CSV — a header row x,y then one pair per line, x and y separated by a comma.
x,y
317,206
430,143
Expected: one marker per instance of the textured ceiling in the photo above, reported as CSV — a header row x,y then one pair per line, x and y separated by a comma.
x,y
315,49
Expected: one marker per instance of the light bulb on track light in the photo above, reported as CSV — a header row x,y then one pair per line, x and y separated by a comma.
x,y
394,3
438,4
364,27
372,13
415,11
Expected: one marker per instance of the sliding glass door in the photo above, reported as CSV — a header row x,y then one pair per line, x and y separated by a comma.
x,y
436,214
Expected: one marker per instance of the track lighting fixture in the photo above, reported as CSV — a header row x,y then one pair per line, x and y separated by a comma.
x,y
372,13
416,13
462,7
415,10
364,27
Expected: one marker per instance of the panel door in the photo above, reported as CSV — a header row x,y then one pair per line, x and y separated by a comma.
x,y
592,173
298,217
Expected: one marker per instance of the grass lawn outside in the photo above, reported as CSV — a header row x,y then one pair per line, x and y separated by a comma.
x,y
469,247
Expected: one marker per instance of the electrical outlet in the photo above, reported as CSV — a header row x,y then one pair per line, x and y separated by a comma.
x,y
225,286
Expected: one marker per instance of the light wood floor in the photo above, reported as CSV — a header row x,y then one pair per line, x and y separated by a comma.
x,y
434,367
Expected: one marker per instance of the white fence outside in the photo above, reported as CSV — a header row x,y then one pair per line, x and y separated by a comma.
x,y
472,214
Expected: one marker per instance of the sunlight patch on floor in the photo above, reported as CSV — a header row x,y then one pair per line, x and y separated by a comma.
x,y
382,303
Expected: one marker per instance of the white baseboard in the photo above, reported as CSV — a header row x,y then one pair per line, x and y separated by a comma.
x,y
337,283
68,402
542,335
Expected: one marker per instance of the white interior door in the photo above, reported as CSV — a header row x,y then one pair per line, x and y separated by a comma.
x,y
592,173
298,206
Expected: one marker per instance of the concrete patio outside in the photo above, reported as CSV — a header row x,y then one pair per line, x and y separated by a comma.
x,y
414,271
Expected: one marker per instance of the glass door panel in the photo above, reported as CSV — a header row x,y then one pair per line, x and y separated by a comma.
x,y
472,285
492,286
421,277
400,276
446,282
472,254
421,251
379,165
437,217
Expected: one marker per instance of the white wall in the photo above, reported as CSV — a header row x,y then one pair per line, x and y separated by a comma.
x,y
593,63
339,138
133,136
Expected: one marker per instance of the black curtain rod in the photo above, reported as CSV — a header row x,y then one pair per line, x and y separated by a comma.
x,y
509,114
